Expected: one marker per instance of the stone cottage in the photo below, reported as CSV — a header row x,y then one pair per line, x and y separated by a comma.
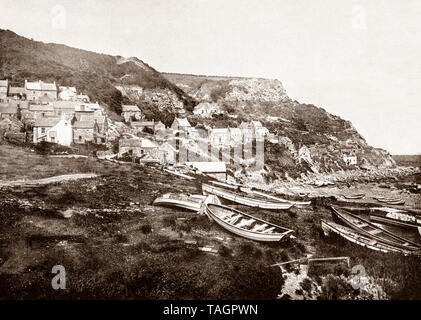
x,y
138,148
4,90
41,127
67,93
7,111
61,133
38,89
130,112
84,131
219,136
181,124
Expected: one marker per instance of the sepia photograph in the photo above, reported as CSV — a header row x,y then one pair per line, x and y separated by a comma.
x,y
210,150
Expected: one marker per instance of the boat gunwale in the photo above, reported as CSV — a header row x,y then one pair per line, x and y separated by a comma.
x,y
287,231
414,246
392,221
293,202
252,202
378,246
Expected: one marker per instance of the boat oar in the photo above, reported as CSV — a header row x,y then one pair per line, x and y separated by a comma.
x,y
288,262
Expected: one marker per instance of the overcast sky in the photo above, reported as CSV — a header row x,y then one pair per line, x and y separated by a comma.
x,y
357,59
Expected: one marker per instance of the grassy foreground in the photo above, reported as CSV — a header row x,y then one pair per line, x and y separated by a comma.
x,y
115,244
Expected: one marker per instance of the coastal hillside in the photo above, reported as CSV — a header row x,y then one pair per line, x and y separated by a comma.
x,y
96,75
303,139
308,139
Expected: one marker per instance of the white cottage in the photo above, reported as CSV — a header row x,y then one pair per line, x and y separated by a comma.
x,y
61,133
350,160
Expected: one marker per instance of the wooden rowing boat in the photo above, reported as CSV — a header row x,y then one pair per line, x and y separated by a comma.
x,y
226,185
242,199
189,202
396,217
373,231
390,216
179,174
396,202
354,196
245,225
359,239
390,200
299,204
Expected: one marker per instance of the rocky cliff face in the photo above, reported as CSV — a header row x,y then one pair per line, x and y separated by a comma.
x,y
211,88
309,139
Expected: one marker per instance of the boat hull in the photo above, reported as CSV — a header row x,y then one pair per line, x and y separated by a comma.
x,y
373,231
298,204
350,235
354,197
192,203
257,236
256,203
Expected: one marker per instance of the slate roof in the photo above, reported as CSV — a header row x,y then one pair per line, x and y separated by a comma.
x,y
46,122
182,122
65,104
7,109
129,108
87,124
40,86
41,107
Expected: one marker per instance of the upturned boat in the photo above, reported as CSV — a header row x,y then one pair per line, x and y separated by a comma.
x,y
245,225
190,202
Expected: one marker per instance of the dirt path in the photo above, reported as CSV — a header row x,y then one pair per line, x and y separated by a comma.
x,y
44,181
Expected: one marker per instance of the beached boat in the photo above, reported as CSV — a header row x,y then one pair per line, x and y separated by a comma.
x,y
373,231
243,199
190,202
354,196
359,239
390,216
245,225
395,202
396,217
226,185
390,200
319,184
176,173
295,203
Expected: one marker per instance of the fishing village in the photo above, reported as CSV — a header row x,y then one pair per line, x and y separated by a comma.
x,y
131,183
158,231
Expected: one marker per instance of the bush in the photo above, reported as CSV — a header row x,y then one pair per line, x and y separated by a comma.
x,y
336,288
146,228
224,251
306,284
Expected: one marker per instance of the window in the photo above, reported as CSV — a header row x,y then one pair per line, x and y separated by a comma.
x,y
53,139
80,138
42,130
